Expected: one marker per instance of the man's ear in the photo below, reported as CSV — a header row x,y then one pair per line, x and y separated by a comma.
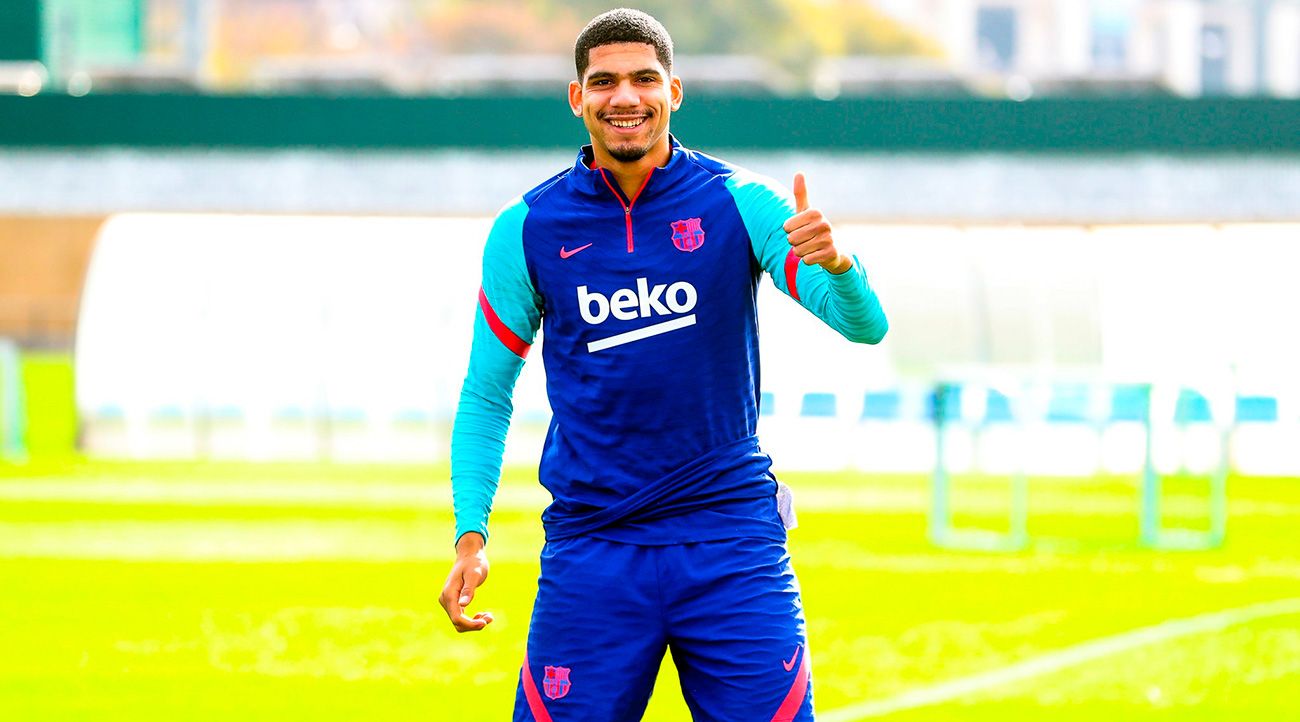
x,y
675,92
575,98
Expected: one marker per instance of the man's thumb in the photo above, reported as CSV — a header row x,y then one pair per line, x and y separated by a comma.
x,y
800,193
467,591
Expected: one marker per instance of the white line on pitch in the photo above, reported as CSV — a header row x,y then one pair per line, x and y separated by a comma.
x,y
1061,659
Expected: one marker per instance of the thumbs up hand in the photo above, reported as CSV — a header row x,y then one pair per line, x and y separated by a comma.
x,y
809,233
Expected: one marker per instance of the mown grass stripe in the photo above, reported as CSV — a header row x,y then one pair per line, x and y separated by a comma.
x,y
1061,659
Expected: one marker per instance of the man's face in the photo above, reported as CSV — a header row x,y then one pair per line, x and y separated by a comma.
x,y
625,98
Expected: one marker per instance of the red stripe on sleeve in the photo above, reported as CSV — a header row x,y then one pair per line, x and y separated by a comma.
x,y
530,693
791,274
503,332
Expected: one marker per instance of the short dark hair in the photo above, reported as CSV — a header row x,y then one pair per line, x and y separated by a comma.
x,y
622,25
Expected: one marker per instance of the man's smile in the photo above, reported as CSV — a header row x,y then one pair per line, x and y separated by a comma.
x,y
626,122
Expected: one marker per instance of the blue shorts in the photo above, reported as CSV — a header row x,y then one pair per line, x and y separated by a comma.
x,y
729,611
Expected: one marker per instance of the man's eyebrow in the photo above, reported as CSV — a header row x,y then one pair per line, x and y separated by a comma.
x,y
607,74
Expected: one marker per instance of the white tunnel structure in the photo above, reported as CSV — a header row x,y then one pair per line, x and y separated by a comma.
x,y
307,337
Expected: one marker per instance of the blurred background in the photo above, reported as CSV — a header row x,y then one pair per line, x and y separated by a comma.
x,y
1002,48
239,250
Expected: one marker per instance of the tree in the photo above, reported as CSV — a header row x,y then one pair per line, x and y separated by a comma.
x,y
793,34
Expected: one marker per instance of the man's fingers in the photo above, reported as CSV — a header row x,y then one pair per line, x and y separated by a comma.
x,y
479,621
812,220
448,597
453,598
824,255
803,234
805,242
467,575
453,609
800,193
456,612
469,583
467,624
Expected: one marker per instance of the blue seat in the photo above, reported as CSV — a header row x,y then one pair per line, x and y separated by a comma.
x,y
348,415
110,412
1192,408
1129,402
1068,404
882,405
1257,409
766,404
291,415
227,413
998,408
413,416
818,405
168,415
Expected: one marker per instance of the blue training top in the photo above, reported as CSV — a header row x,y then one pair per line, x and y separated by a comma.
x,y
651,352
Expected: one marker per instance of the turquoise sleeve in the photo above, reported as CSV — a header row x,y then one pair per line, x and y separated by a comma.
x,y
505,324
845,302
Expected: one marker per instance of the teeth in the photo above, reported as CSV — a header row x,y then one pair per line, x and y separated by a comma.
x,y
627,123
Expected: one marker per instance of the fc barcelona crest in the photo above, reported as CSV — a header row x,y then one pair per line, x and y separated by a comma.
x,y
556,682
687,234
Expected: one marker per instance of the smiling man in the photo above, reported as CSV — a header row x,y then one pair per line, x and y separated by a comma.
x,y
667,528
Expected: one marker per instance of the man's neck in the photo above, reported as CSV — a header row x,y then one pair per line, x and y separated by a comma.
x,y
630,175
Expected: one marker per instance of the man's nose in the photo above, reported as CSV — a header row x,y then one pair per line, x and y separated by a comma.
x,y
625,94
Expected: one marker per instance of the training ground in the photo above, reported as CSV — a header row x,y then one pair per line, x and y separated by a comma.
x,y
299,592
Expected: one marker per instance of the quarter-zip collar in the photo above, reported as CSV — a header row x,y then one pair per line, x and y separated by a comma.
x,y
602,184
591,180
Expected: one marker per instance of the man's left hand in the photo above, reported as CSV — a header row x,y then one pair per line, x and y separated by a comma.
x,y
809,233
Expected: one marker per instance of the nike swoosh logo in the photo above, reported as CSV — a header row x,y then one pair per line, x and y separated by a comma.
x,y
579,249
790,665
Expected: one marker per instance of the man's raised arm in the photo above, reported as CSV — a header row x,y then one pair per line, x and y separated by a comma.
x,y
794,243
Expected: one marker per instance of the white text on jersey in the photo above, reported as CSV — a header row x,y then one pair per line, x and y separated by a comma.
x,y
645,301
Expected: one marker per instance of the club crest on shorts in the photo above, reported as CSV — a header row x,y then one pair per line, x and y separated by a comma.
x,y
555,683
687,234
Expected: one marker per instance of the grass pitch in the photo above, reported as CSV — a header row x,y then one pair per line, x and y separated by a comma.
x,y
283,592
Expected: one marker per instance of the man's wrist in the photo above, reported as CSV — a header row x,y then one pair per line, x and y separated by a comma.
x,y
841,264
470,543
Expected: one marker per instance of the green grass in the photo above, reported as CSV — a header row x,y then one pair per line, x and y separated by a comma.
x,y
51,409
211,603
